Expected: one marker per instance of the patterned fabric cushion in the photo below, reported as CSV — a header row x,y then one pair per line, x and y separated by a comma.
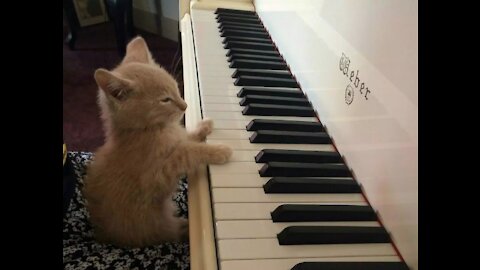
x,y
81,251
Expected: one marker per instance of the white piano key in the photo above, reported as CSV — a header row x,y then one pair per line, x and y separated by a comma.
x,y
288,264
201,19
212,71
210,81
238,229
222,66
223,77
212,53
209,72
235,167
257,195
230,124
218,52
208,27
220,93
214,37
238,180
213,34
203,16
215,43
246,145
221,70
230,134
242,180
220,80
237,249
222,107
239,116
234,134
249,211
207,69
243,155
219,61
221,99
231,87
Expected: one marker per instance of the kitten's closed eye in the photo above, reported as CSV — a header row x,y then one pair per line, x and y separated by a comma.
x,y
166,99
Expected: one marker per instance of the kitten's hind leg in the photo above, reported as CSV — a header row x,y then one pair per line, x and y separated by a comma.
x,y
184,235
171,228
181,229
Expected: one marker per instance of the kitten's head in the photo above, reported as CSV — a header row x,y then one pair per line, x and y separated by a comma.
x,y
138,94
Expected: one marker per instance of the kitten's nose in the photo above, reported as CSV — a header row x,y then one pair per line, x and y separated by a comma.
x,y
182,105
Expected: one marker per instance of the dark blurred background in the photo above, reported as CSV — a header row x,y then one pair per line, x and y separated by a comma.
x,y
96,47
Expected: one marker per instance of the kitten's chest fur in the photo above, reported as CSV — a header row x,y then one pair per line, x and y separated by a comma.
x,y
134,163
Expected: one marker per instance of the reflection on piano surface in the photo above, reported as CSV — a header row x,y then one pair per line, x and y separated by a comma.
x,y
287,199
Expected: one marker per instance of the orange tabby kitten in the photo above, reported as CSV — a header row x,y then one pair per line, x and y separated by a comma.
x,y
131,181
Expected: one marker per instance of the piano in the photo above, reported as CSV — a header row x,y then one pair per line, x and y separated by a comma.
x,y
319,101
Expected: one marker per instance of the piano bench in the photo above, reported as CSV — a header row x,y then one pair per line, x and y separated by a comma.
x,y
80,250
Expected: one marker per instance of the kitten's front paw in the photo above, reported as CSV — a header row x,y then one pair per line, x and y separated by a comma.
x,y
204,128
221,154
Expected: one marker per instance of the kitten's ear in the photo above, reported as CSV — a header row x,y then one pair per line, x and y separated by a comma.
x,y
137,51
112,84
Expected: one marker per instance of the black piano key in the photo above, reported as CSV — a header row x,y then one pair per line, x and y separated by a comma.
x,y
276,168
265,81
241,26
318,235
252,51
228,15
289,137
286,73
249,45
268,91
319,212
278,110
274,100
288,125
258,64
242,30
230,19
351,266
235,15
247,39
275,73
236,26
234,11
241,33
239,20
311,185
268,155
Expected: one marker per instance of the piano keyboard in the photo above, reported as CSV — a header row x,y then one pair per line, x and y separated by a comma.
x,y
286,200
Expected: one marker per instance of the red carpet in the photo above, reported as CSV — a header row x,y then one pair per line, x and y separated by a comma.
x,y
95,48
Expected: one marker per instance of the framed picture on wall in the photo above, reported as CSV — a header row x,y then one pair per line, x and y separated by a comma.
x,y
90,12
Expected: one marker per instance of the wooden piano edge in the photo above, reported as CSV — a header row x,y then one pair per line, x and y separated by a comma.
x,y
202,240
